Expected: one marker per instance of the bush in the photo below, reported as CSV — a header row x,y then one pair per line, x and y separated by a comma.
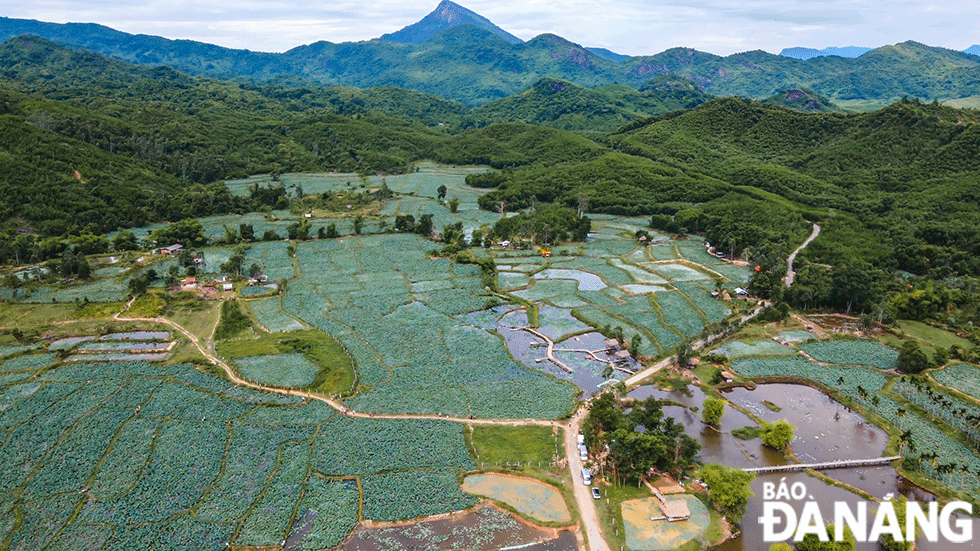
x,y
911,358
777,435
232,322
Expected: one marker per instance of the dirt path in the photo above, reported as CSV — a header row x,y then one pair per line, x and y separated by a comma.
x,y
583,497
790,274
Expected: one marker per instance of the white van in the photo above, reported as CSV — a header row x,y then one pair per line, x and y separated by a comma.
x,y
581,439
586,477
583,452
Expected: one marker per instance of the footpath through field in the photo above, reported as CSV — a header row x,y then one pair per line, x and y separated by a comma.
x,y
790,274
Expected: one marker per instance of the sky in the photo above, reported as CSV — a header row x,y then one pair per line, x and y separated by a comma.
x,y
631,27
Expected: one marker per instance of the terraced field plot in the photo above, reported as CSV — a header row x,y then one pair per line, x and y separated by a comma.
x,y
368,292
138,456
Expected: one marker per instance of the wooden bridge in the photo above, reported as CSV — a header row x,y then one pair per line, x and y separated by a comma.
x,y
841,464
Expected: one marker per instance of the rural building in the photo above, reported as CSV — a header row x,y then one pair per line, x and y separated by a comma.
x,y
173,249
741,293
188,282
674,509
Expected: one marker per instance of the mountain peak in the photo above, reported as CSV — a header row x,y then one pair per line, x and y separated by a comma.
x,y
446,15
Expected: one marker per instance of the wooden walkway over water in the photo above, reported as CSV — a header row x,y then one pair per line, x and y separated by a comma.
x,y
841,464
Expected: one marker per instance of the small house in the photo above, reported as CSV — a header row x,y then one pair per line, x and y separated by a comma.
x,y
227,286
172,249
188,282
612,342
676,510
504,244
741,293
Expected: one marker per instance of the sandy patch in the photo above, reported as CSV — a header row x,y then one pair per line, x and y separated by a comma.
x,y
528,496
643,534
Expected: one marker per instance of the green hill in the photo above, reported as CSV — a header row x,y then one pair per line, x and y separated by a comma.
x,y
475,66
562,104
803,100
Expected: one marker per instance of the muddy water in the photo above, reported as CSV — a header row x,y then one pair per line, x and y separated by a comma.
x,y
717,445
484,528
826,430
532,352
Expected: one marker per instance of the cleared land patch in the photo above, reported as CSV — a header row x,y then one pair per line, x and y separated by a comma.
x,y
529,497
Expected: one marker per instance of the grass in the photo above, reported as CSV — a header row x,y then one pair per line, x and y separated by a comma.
x,y
35,314
611,512
97,310
336,375
149,305
747,433
494,445
771,406
930,336
196,315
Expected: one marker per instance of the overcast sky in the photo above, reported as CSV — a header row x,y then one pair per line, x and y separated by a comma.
x,y
633,27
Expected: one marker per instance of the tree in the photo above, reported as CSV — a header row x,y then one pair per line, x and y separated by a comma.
x,y
729,488
911,358
138,284
125,241
777,435
712,411
886,541
454,205
246,232
635,343
358,224
424,225
811,542
441,192
781,546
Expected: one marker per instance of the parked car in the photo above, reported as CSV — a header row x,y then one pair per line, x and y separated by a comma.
x,y
595,493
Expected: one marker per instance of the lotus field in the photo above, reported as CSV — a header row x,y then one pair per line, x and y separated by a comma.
x,y
961,376
852,352
165,452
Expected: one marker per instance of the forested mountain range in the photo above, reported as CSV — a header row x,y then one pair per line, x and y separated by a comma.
x,y
89,144
472,65
446,15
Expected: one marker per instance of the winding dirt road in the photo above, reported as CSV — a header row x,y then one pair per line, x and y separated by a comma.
x,y
589,517
790,274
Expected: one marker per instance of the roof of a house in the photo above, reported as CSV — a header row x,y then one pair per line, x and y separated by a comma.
x,y
676,509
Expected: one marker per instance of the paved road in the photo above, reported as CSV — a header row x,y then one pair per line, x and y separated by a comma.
x,y
790,274
583,497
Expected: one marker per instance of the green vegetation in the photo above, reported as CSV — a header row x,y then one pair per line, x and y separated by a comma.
x,y
662,445
496,446
150,444
729,489
309,360
232,321
777,435
474,65
712,410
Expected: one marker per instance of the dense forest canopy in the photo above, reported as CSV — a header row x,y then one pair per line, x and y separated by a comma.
x,y
90,144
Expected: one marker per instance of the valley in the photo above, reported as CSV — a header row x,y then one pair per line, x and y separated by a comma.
x,y
240,310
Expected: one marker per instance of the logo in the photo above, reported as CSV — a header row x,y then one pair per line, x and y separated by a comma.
x,y
780,521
